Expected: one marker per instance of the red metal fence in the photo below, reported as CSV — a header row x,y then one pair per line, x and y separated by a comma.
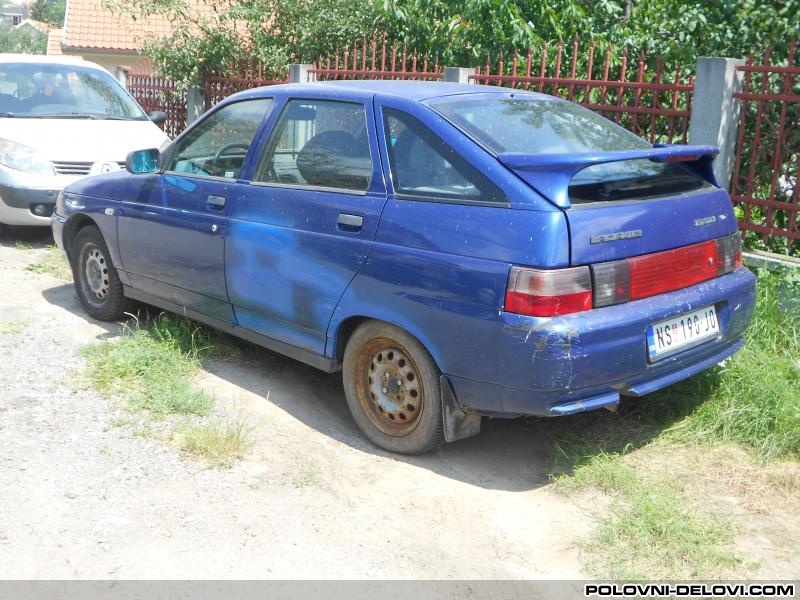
x,y
643,95
236,77
154,92
765,175
654,104
371,61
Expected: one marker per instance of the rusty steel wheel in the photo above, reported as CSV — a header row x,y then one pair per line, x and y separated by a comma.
x,y
392,388
97,283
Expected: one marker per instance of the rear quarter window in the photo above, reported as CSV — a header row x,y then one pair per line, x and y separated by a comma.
x,y
424,167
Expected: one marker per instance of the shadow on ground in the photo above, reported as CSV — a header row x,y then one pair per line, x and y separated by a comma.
x,y
514,454
25,237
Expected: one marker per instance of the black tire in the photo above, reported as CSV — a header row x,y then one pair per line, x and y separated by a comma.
x,y
96,280
392,389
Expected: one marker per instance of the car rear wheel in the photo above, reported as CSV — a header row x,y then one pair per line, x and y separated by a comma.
x,y
392,389
96,280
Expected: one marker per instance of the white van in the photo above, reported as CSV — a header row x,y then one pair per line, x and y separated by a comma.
x,y
62,119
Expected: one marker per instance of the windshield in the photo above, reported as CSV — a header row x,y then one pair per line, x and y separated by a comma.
x,y
40,90
534,125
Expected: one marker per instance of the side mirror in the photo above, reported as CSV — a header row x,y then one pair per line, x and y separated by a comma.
x,y
158,117
142,161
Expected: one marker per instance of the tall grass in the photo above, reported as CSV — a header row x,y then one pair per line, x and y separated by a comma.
x,y
754,399
652,531
151,367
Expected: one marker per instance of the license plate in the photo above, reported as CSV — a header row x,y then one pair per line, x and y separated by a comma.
x,y
669,336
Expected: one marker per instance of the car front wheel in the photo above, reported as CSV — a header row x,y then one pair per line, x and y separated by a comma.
x,y
96,280
392,389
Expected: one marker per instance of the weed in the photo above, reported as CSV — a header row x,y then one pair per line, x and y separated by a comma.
x,y
218,444
754,398
52,263
306,474
14,327
152,368
652,530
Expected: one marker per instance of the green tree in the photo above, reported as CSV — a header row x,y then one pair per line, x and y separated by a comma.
x,y
458,32
21,41
48,11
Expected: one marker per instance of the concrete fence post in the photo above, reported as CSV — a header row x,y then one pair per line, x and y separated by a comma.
x,y
301,73
715,112
195,104
458,74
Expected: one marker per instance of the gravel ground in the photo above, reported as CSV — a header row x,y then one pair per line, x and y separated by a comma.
x,y
81,497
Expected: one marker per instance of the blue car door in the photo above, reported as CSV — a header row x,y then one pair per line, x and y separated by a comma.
x,y
302,228
172,225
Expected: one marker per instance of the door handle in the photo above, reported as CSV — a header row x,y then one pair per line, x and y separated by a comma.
x,y
347,222
217,202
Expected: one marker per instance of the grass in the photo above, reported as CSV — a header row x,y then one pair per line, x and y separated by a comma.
x,y
654,530
14,327
218,444
52,263
152,367
754,399
306,474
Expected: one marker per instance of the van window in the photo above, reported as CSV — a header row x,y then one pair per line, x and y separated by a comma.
x,y
52,91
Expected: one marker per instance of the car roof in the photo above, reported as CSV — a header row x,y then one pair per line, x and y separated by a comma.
x,y
410,90
47,60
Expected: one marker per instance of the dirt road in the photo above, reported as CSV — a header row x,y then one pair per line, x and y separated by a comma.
x,y
82,497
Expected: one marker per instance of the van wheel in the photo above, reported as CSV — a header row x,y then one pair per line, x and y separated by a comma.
x,y
96,280
392,389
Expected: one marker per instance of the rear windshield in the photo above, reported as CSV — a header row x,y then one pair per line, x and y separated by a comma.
x,y
51,91
534,125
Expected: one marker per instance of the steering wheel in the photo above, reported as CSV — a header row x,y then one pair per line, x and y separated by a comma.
x,y
227,147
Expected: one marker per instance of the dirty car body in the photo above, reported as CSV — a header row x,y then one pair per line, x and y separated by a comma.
x,y
547,261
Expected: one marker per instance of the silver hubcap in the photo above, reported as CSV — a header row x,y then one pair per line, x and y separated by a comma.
x,y
97,274
394,388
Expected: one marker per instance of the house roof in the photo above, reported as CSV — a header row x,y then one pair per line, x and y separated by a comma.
x,y
54,39
37,25
91,26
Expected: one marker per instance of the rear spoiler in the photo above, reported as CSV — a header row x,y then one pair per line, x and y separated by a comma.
x,y
550,174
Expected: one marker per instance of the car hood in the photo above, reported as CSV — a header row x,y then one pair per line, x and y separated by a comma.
x,y
82,140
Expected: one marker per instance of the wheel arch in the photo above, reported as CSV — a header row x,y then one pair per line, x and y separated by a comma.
x,y
71,228
342,330
457,423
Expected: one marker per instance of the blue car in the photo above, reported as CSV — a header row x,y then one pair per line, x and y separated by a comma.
x,y
457,251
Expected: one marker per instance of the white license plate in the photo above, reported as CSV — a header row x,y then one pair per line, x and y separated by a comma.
x,y
687,330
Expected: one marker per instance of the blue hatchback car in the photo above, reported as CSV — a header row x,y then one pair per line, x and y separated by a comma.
x,y
458,251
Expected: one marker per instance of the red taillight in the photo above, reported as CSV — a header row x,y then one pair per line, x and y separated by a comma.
x,y
672,270
547,293
644,276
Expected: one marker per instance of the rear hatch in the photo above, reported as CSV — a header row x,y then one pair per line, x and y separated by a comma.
x,y
623,204
622,196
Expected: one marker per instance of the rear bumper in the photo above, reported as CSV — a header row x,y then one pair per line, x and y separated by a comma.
x,y
588,360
